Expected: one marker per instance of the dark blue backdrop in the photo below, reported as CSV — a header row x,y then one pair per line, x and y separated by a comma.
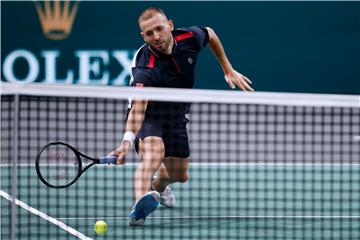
x,y
281,46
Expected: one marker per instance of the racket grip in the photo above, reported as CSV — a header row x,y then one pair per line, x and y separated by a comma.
x,y
108,160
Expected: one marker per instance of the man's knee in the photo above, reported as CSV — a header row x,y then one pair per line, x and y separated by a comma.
x,y
183,177
177,169
180,177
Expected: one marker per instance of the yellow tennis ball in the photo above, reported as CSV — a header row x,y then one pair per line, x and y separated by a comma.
x,y
100,227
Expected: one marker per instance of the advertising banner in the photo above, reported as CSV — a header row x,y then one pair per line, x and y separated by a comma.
x,y
281,46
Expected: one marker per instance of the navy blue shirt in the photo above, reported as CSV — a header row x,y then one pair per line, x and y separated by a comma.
x,y
177,70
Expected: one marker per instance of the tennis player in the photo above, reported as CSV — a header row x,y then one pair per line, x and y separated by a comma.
x,y
167,59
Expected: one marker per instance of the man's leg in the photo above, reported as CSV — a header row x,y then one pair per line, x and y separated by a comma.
x,y
151,151
172,170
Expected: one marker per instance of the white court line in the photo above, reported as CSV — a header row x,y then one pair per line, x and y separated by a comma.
x,y
45,216
220,217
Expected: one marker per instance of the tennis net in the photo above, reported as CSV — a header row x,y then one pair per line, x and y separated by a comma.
x,y
263,165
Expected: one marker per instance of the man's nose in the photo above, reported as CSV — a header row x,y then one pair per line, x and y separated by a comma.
x,y
156,36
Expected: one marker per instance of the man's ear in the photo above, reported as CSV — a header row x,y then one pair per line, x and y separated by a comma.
x,y
171,24
142,34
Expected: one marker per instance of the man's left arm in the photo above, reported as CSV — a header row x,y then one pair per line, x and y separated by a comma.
x,y
232,77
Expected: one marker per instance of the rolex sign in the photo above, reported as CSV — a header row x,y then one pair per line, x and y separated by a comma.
x,y
52,44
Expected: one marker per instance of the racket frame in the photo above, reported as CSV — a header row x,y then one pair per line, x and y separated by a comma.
x,y
78,155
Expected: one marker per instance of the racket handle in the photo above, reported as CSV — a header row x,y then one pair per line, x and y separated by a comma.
x,y
108,160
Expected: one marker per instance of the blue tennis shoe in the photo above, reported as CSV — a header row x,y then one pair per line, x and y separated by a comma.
x,y
143,208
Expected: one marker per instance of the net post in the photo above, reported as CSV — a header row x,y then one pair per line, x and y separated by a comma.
x,y
14,166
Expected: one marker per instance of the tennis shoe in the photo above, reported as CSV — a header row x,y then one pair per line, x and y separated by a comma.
x,y
143,208
167,198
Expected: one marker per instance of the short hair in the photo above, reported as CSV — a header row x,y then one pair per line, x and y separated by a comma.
x,y
149,13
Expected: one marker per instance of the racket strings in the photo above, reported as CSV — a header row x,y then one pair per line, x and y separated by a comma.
x,y
59,165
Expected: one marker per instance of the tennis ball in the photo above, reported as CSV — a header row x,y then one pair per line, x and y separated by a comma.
x,y
100,227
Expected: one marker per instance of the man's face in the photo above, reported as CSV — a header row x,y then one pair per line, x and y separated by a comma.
x,y
156,31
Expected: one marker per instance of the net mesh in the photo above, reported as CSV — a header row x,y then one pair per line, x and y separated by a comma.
x,y
257,171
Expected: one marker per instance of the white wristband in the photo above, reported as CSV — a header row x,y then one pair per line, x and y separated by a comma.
x,y
129,136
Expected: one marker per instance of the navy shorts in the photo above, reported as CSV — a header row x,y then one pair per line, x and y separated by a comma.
x,y
174,136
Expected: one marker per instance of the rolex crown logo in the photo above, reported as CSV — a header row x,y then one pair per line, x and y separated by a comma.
x,y
56,17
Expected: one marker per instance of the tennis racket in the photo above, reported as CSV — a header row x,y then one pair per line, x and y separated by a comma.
x,y
59,165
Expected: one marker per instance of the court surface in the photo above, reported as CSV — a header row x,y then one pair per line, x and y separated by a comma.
x,y
220,201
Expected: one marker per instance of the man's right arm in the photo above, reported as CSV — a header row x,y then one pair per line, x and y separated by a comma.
x,y
133,125
232,77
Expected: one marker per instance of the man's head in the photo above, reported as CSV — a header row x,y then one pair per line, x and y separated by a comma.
x,y
156,29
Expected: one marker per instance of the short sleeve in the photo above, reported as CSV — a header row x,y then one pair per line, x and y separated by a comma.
x,y
141,77
201,34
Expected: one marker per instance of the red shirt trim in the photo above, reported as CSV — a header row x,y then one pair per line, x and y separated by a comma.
x,y
151,61
183,36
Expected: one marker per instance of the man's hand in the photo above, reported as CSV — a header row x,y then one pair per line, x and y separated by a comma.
x,y
121,152
235,78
